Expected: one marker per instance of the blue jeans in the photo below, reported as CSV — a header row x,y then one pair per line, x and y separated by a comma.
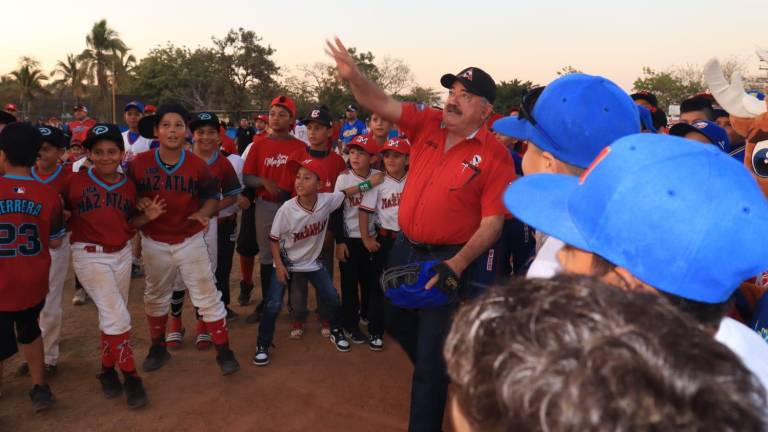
x,y
273,303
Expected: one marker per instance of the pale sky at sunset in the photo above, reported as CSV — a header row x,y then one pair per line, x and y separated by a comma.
x,y
529,40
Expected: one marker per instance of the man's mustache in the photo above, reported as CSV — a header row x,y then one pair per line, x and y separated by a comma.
x,y
451,108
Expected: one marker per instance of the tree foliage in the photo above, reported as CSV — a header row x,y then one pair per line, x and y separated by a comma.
x,y
510,94
29,81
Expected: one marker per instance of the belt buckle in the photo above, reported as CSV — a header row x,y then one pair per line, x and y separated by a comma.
x,y
90,249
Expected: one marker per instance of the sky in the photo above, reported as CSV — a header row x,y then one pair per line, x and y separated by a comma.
x,y
509,39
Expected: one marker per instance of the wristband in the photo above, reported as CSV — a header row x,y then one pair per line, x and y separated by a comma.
x,y
365,186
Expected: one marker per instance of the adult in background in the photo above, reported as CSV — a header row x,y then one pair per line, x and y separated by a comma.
x,y
350,127
450,211
244,135
78,128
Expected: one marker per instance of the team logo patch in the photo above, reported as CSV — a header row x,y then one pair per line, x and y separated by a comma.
x,y
393,143
44,131
700,125
98,130
467,74
204,116
594,163
19,190
476,159
315,114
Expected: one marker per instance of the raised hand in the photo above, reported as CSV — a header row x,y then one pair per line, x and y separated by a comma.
x,y
155,208
345,64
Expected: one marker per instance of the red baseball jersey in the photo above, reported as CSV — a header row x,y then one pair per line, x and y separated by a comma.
x,y
79,128
184,187
30,216
222,169
100,210
268,158
57,180
332,164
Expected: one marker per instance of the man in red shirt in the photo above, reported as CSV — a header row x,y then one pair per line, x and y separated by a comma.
x,y
451,210
78,128
266,170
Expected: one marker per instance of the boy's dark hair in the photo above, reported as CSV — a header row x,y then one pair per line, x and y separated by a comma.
x,y
573,354
21,144
697,103
719,112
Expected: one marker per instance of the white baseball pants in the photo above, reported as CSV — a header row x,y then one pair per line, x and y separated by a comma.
x,y
50,316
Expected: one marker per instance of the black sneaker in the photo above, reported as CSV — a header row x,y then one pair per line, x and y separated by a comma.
x,y
227,361
356,335
338,339
376,342
245,293
41,396
231,315
261,358
110,384
135,394
255,316
157,357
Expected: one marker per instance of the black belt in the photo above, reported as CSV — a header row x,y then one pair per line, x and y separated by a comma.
x,y
433,247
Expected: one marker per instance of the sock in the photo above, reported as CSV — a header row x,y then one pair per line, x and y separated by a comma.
x,y
107,357
157,328
266,279
218,331
120,345
246,268
177,302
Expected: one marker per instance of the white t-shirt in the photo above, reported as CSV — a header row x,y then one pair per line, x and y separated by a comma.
x,y
545,265
245,152
300,132
747,345
301,232
352,205
384,201
139,146
237,163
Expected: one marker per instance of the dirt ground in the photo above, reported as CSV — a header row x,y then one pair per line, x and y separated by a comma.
x,y
307,386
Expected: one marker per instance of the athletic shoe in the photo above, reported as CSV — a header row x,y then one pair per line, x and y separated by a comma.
x,y
158,356
41,396
227,362
231,315
80,297
325,328
297,330
356,335
245,293
203,341
376,342
338,339
135,394
261,358
110,383
175,335
48,369
255,316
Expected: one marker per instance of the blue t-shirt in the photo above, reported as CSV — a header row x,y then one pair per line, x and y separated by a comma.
x,y
349,131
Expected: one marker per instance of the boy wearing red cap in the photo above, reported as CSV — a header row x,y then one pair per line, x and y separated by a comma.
x,y
266,170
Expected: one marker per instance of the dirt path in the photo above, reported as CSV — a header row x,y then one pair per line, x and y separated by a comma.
x,y
307,386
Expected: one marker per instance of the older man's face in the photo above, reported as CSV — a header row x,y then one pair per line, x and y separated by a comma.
x,y
464,109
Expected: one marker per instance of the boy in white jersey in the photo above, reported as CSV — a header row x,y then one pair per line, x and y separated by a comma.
x,y
297,236
356,263
382,205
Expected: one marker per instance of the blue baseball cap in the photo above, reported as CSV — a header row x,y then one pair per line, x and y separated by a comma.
x,y
683,217
135,104
646,119
574,118
714,133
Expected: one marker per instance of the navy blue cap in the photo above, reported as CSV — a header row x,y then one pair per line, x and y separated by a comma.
x,y
714,133
682,217
102,132
53,135
204,119
575,117
135,104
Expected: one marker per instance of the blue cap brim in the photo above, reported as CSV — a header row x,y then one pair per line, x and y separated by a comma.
x,y
521,129
541,201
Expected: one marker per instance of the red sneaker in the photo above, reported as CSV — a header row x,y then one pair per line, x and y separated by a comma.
x,y
203,340
297,330
175,335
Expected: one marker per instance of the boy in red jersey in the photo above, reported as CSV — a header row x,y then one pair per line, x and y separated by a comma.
x,y
266,170
102,202
31,222
173,243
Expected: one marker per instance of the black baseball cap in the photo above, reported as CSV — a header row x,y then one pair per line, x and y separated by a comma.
x,y
204,119
104,131
6,117
646,96
147,123
21,140
351,107
53,135
319,115
475,80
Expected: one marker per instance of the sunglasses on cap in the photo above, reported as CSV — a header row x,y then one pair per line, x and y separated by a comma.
x,y
526,111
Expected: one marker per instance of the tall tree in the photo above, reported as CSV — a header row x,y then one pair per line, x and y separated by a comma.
x,y
425,95
567,70
670,86
29,81
72,76
103,47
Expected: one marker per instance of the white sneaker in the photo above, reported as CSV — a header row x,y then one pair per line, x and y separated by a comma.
x,y
375,342
80,297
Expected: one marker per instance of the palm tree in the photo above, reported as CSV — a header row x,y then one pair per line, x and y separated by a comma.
x,y
103,44
72,74
29,82
124,64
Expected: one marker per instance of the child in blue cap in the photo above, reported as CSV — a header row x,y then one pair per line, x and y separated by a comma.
x,y
566,124
661,214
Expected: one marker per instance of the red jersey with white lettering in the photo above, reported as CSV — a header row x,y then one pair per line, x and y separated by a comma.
x,y
30,216
384,202
57,179
100,210
448,193
222,169
352,204
184,186
78,129
301,231
331,162
268,158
